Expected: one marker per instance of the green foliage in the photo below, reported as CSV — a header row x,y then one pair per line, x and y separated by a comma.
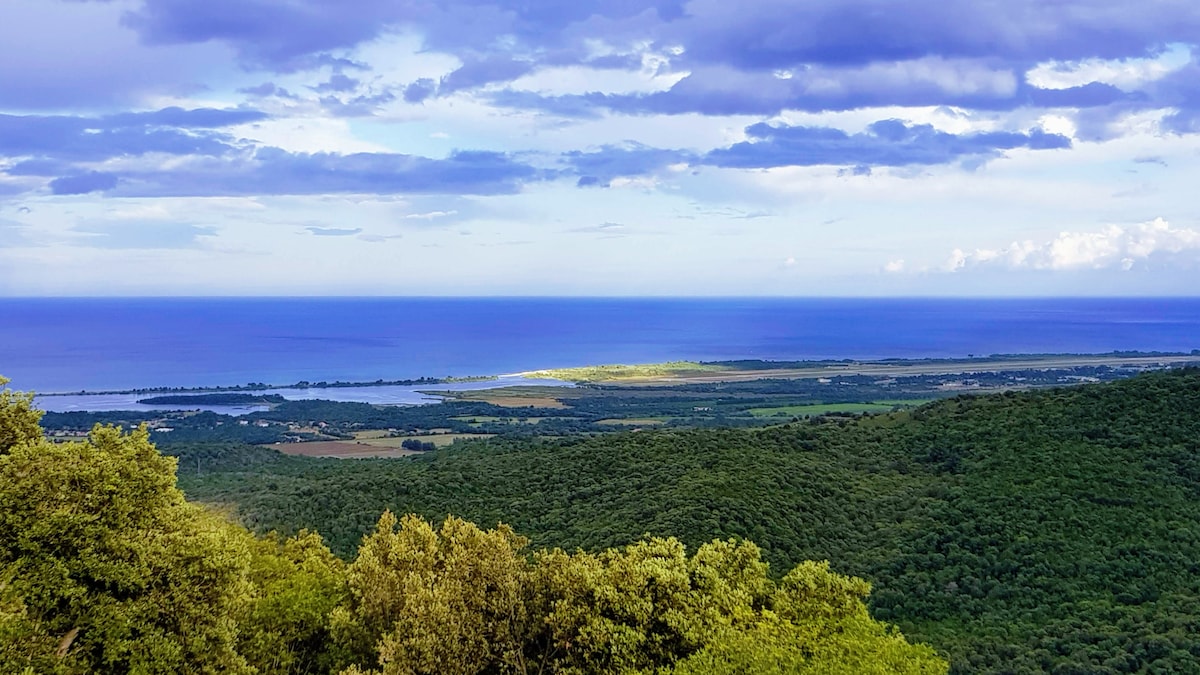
x,y
1021,532
18,419
851,646
25,645
297,585
104,547
447,601
105,568
462,600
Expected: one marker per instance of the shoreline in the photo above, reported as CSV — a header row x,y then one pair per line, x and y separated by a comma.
x,y
741,371
260,387
683,372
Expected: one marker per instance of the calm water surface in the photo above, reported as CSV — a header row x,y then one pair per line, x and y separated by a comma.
x,y
60,345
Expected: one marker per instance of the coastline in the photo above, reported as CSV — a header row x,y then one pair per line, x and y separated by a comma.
x,y
723,371
736,370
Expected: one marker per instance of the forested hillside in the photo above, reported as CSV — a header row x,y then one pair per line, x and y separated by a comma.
x,y
1048,531
105,568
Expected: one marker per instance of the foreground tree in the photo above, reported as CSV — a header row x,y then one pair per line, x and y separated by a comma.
x,y
104,567
450,601
107,555
107,569
459,599
18,419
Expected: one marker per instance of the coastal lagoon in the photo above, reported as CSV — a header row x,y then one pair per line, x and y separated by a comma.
x,y
379,395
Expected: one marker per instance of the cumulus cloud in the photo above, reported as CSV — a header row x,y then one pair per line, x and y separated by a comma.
x,y
1114,247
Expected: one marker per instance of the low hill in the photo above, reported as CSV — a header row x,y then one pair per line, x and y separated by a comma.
x,y
1048,531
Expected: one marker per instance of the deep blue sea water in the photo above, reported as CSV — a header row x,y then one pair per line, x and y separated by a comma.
x,y
57,345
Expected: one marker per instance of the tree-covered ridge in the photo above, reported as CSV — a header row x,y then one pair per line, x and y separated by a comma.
x,y
1025,532
104,567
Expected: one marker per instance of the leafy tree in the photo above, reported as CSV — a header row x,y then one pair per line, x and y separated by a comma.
x,y
448,601
105,549
18,418
107,569
25,646
297,585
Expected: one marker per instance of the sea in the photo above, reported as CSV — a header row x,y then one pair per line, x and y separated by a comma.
x,y
69,345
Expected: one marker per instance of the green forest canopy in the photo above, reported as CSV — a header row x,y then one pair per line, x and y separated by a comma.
x,y
104,567
1024,532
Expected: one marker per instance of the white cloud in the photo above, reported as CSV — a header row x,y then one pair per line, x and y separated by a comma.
x,y
894,266
563,80
1114,247
430,215
1124,74
307,134
948,75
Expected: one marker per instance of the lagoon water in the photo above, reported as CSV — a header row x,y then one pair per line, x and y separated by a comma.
x,y
64,345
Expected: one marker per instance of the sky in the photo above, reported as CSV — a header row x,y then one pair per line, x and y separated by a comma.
x,y
612,148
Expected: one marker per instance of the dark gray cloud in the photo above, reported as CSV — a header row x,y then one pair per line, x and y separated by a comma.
x,y
268,89
195,118
481,71
588,106
278,35
767,34
338,82
836,55
420,90
885,143
362,105
598,168
171,130
730,93
83,183
1181,90
730,50
40,167
771,34
60,147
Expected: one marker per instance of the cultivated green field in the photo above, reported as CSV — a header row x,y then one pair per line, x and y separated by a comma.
x,y
614,372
